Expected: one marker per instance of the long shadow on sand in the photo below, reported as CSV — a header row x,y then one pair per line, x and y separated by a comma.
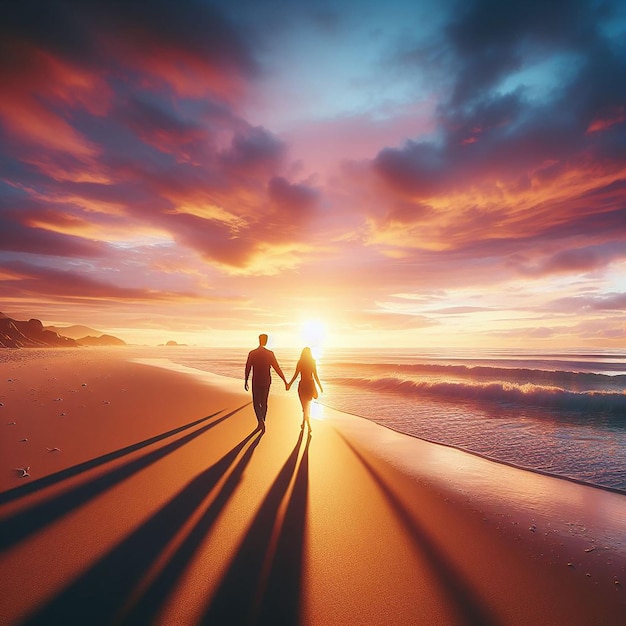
x,y
144,610
22,524
263,583
68,472
282,598
470,610
100,596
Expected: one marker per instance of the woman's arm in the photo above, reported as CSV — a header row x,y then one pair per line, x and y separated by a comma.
x,y
295,375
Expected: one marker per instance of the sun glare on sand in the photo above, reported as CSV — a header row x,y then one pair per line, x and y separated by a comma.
x,y
317,410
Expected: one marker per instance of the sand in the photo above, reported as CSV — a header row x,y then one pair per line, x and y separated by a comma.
x,y
152,499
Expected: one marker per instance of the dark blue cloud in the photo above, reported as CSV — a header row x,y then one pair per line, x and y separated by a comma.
x,y
77,30
495,123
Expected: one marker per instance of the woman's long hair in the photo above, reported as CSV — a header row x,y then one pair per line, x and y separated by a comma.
x,y
306,357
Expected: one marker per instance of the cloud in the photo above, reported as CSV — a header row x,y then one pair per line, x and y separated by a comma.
x,y
253,152
591,302
294,201
17,234
65,285
512,164
382,320
156,125
217,147
460,310
489,40
63,62
611,302
578,260
128,112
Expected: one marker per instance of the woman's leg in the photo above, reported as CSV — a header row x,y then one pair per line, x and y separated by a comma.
x,y
305,401
303,405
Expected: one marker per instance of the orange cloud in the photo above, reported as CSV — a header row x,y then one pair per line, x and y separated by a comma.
x,y
617,116
34,123
490,209
188,75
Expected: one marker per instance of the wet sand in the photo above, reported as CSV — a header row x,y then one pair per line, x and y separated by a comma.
x,y
152,499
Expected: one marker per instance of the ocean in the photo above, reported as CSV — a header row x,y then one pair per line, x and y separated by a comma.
x,y
562,414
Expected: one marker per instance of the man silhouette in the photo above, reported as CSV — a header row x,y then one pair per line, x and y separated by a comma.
x,y
260,361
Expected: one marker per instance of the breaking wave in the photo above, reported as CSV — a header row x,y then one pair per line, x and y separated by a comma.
x,y
502,392
543,377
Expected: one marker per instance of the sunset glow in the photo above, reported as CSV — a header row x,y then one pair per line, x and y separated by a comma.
x,y
336,174
313,335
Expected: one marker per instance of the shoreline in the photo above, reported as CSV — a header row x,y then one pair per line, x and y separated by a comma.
x,y
393,446
163,353
421,438
150,515
525,468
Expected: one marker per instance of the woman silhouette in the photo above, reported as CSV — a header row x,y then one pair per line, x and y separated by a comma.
x,y
307,368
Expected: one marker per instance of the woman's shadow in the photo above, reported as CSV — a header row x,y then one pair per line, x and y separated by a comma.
x,y
263,584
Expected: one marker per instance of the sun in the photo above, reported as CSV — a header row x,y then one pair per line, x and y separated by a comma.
x,y
313,334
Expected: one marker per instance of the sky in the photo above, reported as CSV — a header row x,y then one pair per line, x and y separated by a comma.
x,y
422,174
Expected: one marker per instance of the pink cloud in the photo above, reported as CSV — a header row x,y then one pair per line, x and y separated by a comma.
x,y
321,145
66,285
38,90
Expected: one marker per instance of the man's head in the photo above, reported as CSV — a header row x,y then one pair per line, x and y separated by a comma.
x,y
262,339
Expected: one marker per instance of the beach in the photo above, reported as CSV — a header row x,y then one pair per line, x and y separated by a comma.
x,y
151,498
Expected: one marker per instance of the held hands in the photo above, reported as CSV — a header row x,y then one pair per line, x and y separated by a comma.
x,y
287,386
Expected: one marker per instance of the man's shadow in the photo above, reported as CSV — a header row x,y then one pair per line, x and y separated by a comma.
x,y
74,470
263,584
20,525
101,595
146,608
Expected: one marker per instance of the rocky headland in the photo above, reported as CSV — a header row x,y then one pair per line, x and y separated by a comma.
x,y
33,334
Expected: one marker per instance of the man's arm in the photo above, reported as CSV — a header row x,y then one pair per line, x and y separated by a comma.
x,y
277,368
295,375
248,368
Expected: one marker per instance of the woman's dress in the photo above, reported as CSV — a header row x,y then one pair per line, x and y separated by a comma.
x,y
307,390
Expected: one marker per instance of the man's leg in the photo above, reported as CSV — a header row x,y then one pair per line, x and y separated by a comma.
x,y
260,394
263,395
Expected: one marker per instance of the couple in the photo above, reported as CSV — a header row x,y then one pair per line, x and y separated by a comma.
x,y
261,360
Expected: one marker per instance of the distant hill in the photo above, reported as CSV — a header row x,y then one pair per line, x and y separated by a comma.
x,y
33,334
102,340
75,332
